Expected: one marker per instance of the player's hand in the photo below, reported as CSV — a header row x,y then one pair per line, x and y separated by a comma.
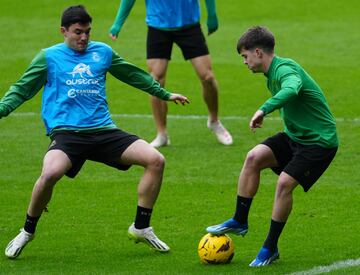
x,y
114,32
113,37
179,98
257,120
212,23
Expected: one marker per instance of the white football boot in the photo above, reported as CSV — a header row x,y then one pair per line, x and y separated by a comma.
x,y
220,131
148,237
161,140
15,247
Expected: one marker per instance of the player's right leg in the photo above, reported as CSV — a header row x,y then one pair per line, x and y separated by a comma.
x,y
158,53
159,109
260,157
202,66
157,68
55,164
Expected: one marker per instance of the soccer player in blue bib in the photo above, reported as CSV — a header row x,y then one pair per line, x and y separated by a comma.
x,y
77,119
177,21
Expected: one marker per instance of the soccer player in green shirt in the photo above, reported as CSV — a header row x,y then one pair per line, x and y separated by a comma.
x,y
299,155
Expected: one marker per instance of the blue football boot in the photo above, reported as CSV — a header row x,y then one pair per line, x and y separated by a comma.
x,y
229,226
265,257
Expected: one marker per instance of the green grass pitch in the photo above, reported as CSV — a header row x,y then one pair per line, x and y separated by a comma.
x,y
84,231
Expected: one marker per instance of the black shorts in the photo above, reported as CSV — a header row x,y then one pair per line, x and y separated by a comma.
x,y
191,41
104,146
305,163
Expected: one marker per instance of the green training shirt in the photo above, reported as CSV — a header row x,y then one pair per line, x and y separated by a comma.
x,y
303,107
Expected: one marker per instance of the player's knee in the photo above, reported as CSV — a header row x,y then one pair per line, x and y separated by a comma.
x,y
284,187
158,76
160,79
208,77
50,177
157,161
253,159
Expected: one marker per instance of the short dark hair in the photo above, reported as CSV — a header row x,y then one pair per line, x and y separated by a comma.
x,y
257,37
75,14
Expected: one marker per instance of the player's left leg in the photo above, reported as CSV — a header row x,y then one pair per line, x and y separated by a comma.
x,y
298,165
202,66
141,153
281,211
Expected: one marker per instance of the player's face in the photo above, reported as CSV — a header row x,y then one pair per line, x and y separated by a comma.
x,y
77,36
253,59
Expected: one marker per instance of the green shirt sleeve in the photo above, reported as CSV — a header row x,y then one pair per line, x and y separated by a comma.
x,y
26,87
136,77
212,20
122,14
290,85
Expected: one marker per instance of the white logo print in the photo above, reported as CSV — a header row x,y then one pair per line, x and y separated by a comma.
x,y
86,80
95,57
72,93
81,69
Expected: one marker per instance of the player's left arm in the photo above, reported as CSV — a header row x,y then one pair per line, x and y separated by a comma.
x,y
290,86
138,78
212,20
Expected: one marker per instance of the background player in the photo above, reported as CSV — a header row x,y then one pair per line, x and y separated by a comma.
x,y
177,22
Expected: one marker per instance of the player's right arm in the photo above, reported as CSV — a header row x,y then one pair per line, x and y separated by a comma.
x,y
26,87
257,120
122,14
138,78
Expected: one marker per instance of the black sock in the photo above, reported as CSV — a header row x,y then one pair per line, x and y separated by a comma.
x,y
242,209
274,234
143,216
30,224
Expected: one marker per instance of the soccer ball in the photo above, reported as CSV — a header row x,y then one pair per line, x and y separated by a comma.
x,y
216,249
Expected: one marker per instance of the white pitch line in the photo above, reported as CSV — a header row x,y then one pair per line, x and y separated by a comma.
x,y
329,268
188,117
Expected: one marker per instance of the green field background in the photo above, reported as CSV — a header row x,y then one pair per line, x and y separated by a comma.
x,y
84,231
